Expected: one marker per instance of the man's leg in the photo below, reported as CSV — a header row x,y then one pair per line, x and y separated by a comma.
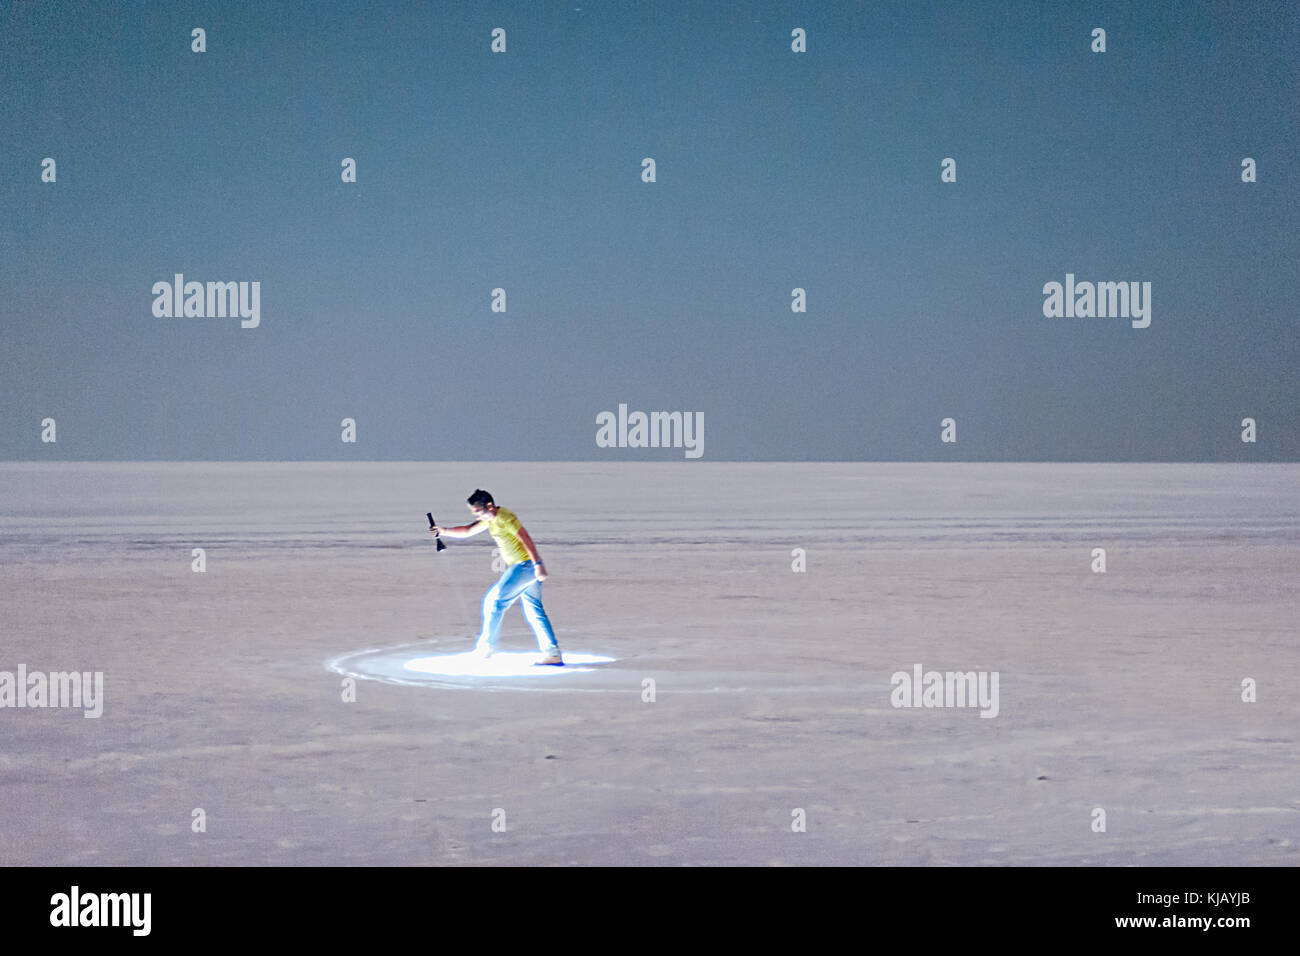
x,y
498,598
489,602
536,617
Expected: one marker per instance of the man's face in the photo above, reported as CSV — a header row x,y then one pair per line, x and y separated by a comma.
x,y
483,512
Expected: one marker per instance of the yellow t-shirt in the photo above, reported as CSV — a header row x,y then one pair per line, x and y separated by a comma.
x,y
503,528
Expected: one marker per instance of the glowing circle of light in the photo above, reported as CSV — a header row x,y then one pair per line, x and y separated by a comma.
x,y
502,664
418,664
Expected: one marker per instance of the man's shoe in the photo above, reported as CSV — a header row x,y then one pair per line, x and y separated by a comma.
x,y
481,652
551,657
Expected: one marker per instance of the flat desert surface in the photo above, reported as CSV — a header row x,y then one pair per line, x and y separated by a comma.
x,y
743,623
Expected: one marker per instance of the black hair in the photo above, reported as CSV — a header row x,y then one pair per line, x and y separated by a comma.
x,y
480,497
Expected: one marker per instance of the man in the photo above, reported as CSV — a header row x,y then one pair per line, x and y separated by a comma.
x,y
523,576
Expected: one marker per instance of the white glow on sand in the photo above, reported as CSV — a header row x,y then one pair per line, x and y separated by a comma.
x,y
502,664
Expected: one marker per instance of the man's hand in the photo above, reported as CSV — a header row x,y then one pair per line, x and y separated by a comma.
x,y
435,530
541,571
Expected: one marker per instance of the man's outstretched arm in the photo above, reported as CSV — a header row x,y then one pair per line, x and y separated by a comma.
x,y
460,530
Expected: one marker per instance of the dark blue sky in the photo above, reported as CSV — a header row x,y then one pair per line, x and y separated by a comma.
x,y
775,170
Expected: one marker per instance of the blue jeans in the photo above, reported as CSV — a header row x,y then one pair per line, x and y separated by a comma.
x,y
518,581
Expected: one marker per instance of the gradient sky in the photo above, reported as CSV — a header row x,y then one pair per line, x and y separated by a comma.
x,y
775,170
